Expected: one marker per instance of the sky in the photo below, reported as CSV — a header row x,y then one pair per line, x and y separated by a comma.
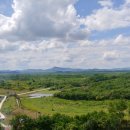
x,y
39,34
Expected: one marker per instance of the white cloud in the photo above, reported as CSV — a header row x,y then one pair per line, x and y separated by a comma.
x,y
122,40
127,2
106,3
82,54
108,18
111,55
43,34
34,20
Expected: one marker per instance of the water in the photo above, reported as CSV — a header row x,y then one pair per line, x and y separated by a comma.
x,y
39,95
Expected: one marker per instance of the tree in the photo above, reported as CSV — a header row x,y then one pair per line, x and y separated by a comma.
x,y
44,123
23,122
118,107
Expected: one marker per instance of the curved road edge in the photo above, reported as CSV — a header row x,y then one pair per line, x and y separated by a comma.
x,y
2,116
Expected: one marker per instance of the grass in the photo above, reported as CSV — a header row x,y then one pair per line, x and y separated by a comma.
x,y
9,104
8,108
47,91
51,105
3,91
7,91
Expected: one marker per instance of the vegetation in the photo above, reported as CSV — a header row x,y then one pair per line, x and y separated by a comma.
x,y
84,101
52,105
73,86
114,120
99,87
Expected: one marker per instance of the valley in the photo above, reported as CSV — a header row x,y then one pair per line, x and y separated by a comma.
x,y
73,94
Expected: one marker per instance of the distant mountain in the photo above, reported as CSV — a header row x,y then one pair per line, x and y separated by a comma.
x,y
62,70
59,69
8,71
31,71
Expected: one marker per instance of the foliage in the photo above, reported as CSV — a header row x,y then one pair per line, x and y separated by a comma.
x,y
93,121
99,87
80,86
22,122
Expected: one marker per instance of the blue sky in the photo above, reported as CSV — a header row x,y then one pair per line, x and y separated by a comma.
x,y
86,7
65,33
6,7
83,7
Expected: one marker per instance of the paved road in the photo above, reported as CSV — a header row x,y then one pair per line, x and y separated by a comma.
x,y
2,116
3,100
1,104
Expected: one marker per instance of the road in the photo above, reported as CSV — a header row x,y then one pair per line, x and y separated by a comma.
x,y
1,104
3,100
2,116
20,94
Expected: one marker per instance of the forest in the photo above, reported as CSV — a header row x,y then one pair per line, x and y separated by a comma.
x,y
73,86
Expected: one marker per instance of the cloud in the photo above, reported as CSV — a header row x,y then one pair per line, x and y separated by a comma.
x,y
6,46
33,20
106,3
127,2
83,54
111,55
108,18
43,34
122,40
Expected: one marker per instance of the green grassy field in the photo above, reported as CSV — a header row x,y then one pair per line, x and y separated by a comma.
x,y
51,105
49,91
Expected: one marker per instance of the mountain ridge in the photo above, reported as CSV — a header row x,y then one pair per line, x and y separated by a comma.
x,y
62,70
